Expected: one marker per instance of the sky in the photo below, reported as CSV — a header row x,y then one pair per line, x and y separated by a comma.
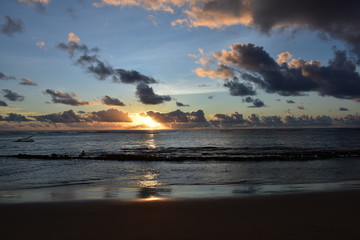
x,y
166,64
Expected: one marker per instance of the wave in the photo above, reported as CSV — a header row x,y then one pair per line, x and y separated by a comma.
x,y
202,154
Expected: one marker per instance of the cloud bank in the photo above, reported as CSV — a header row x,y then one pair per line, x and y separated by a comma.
x,y
64,98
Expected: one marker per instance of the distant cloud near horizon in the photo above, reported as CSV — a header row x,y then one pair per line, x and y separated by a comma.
x,y
343,109
12,26
64,98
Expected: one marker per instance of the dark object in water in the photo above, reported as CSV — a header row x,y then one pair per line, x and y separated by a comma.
x,y
27,139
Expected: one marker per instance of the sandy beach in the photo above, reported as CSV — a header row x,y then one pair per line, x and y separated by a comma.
x,y
321,215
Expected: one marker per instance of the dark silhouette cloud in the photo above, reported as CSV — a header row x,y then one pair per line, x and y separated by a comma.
x,y
91,64
131,76
237,88
180,119
112,101
27,82
14,117
290,101
179,104
110,115
64,117
210,97
13,96
73,47
12,26
232,119
146,95
64,98
3,76
257,103
343,109
331,19
3,104
292,77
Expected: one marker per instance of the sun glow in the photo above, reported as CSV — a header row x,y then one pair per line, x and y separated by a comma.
x,y
146,122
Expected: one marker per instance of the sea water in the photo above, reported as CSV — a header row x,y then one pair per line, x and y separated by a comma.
x,y
69,165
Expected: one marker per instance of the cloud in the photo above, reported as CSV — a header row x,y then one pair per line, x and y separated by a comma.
x,y
101,70
180,119
64,98
110,115
14,117
39,4
343,109
131,77
154,5
12,96
294,77
290,101
237,88
210,97
12,26
233,119
73,48
28,82
257,103
146,95
64,117
73,38
3,76
41,44
3,104
179,104
112,101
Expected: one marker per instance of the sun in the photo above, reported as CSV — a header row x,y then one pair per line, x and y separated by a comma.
x,y
146,122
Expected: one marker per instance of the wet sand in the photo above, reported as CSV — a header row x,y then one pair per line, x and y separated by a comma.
x,y
321,215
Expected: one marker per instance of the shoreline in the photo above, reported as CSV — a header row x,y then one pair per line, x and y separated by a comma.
x,y
312,215
107,192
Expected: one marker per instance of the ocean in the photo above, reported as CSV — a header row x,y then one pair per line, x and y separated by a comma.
x,y
130,165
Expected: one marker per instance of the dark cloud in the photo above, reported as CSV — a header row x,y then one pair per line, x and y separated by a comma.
x,y
110,115
91,64
12,96
210,97
13,117
3,104
28,82
296,76
178,118
131,77
73,47
112,101
146,95
64,98
343,109
331,19
64,117
257,103
179,104
233,120
290,101
3,76
12,26
237,88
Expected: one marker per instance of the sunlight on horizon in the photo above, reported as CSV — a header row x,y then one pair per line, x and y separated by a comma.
x,y
147,122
